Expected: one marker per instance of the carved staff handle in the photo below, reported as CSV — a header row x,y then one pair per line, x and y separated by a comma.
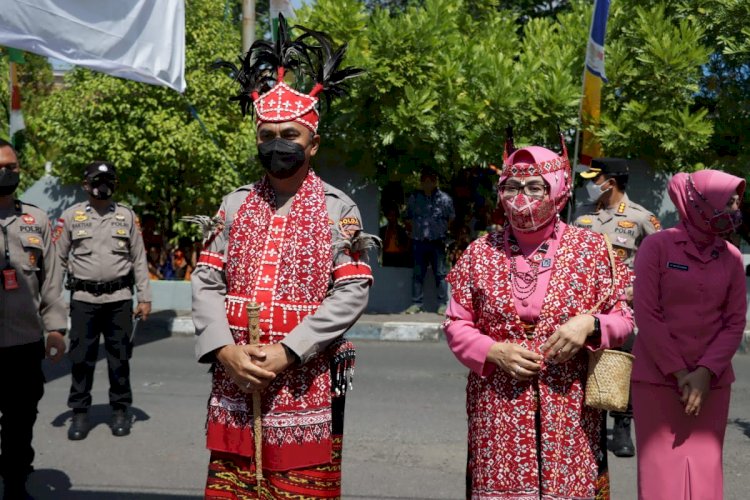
x,y
253,330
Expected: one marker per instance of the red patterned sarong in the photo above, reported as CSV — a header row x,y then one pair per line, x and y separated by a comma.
x,y
233,477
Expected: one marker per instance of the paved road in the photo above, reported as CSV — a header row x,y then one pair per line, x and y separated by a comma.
x,y
405,430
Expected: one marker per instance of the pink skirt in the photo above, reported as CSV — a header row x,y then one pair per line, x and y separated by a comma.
x,y
679,456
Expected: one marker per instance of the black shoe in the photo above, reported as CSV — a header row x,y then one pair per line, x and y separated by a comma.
x,y
79,427
16,490
120,423
622,445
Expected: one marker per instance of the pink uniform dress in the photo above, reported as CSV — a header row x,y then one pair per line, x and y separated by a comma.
x,y
690,304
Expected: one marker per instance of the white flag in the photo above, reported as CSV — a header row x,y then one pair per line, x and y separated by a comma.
x,y
141,40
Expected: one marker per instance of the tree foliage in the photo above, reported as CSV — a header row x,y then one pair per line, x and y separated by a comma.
x,y
443,83
36,82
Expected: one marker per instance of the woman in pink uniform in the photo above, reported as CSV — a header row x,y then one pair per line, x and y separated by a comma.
x,y
518,320
690,306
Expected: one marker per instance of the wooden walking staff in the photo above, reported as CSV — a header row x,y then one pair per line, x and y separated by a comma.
x,y
253,330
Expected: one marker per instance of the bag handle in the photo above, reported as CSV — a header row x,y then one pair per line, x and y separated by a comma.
x,y
611,255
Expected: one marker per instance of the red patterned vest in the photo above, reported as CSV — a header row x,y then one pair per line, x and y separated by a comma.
x,y
503,450
284,264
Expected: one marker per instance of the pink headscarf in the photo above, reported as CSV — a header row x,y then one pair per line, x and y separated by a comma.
x,y
558,179
713,185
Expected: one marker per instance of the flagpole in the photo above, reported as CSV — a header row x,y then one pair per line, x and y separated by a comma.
x,y
575,147
578,125
10,95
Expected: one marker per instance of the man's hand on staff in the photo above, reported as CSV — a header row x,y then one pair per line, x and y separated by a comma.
x,y
242,365
276,360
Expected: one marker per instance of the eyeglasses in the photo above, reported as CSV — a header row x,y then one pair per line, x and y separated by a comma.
x,y
533,189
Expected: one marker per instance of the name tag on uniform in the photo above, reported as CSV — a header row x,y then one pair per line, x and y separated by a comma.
x,y
9,279
675,265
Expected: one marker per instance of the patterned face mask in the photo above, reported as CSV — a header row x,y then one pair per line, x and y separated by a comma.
x,y
527,214
725,222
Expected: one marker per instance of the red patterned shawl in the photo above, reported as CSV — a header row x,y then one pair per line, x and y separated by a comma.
x,y
501,410
296,249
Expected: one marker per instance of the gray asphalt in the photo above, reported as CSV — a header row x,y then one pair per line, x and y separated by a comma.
x,y
405,429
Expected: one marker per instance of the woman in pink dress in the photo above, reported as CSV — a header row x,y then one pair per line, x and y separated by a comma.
x,y
518,319
690,304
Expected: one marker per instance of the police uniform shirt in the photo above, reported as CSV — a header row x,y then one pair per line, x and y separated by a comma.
x,y
625,224
344,304
102,248
37,304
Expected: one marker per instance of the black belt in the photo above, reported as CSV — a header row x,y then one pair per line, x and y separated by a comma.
x,y
99,288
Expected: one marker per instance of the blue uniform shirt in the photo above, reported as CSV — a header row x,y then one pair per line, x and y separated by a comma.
x,y
430,214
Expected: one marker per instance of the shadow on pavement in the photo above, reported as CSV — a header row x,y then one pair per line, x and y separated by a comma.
x,y
53,484
99,414
155,328
744,425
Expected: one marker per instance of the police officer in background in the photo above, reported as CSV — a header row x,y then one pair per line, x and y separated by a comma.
x,y
101,247
31,303
608,210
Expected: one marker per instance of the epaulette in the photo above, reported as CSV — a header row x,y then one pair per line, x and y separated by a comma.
x,y
329,190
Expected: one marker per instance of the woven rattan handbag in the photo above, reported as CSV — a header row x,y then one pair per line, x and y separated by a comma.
x,y
608,379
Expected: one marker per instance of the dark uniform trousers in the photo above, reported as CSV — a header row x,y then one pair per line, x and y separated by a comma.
x,y
432,253
87,321
20,392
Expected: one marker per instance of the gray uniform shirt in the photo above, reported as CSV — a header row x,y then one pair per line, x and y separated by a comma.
x,y
626,225
342,306
102,248
37,304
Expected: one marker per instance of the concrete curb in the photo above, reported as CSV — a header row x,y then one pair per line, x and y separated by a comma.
x,y
391,331
182,326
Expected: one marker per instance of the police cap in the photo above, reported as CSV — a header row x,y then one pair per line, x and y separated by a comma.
x,y
100,168
612,167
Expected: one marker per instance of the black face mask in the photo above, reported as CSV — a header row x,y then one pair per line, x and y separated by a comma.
x,y
103,190
8,181
282,158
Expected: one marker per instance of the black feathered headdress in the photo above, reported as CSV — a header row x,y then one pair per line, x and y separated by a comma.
x,y
310,56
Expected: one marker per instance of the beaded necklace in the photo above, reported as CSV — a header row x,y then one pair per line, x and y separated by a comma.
x,y
523,284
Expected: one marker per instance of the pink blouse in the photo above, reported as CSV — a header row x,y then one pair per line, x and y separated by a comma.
x,y
690,307
471,346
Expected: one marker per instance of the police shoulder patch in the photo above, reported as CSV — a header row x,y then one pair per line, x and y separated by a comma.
x,y
57,231
655,222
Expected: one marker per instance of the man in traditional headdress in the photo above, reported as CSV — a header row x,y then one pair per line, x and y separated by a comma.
x,y
292,244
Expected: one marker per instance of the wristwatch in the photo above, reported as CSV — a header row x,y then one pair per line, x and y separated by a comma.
x,y
597,327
